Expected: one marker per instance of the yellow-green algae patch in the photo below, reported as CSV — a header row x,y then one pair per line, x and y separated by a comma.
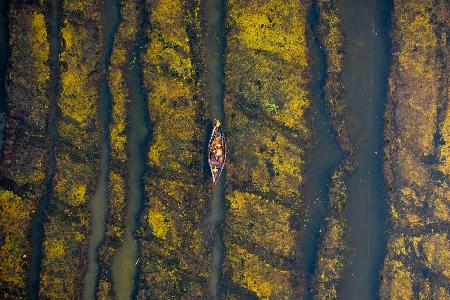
x,y
175,258
23,159
15,221
330,257
417,257
268,234
259,276
66,228
266,97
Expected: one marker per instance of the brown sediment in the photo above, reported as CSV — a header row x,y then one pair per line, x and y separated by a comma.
x,y
4,53
416,154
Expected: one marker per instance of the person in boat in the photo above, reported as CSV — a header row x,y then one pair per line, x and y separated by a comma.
x,y
214,169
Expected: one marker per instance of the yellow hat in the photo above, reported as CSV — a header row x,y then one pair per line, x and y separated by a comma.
x,y
217,123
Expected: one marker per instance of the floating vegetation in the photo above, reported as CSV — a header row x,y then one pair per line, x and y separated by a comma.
x,y
166,235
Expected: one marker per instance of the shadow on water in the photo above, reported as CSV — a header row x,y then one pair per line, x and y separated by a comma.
x,y
98,204
53,27
214,36
325,154
365,71
124,266
4,48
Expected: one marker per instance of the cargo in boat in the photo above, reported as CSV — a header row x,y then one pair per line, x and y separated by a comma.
x,y
216,151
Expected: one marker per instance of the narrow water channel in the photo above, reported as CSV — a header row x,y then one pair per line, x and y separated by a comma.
x,y
365,24
214,12
325,154
124,266
37,230
98,204
3,64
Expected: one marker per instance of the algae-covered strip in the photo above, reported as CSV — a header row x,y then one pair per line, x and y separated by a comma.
x,y
331,37
330,256
115,225
23,159
175,259
266,67
416,166
67,226
329,264
442,28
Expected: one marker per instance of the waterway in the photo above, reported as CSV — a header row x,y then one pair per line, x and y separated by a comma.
x,y
214,36
324,155
366,63
37,231
98,204
124,266
3,64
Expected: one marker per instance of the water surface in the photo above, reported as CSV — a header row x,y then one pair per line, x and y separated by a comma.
x,y
214,12
124,266
98,204
366,63
324,156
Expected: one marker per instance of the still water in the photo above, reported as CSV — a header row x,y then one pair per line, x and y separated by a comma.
x,y
98,203
366,63
215,45
325,156
124,267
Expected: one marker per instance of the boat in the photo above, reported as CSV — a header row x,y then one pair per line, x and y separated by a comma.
x,y
216,151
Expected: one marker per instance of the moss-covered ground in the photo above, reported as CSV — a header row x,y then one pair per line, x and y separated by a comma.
x,y
417,117
174,255
266,97
66,228
24,156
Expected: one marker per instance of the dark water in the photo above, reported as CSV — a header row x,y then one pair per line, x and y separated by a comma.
x,y
214,13
366,63
98,204
3,64
325,155
53,28
124,267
